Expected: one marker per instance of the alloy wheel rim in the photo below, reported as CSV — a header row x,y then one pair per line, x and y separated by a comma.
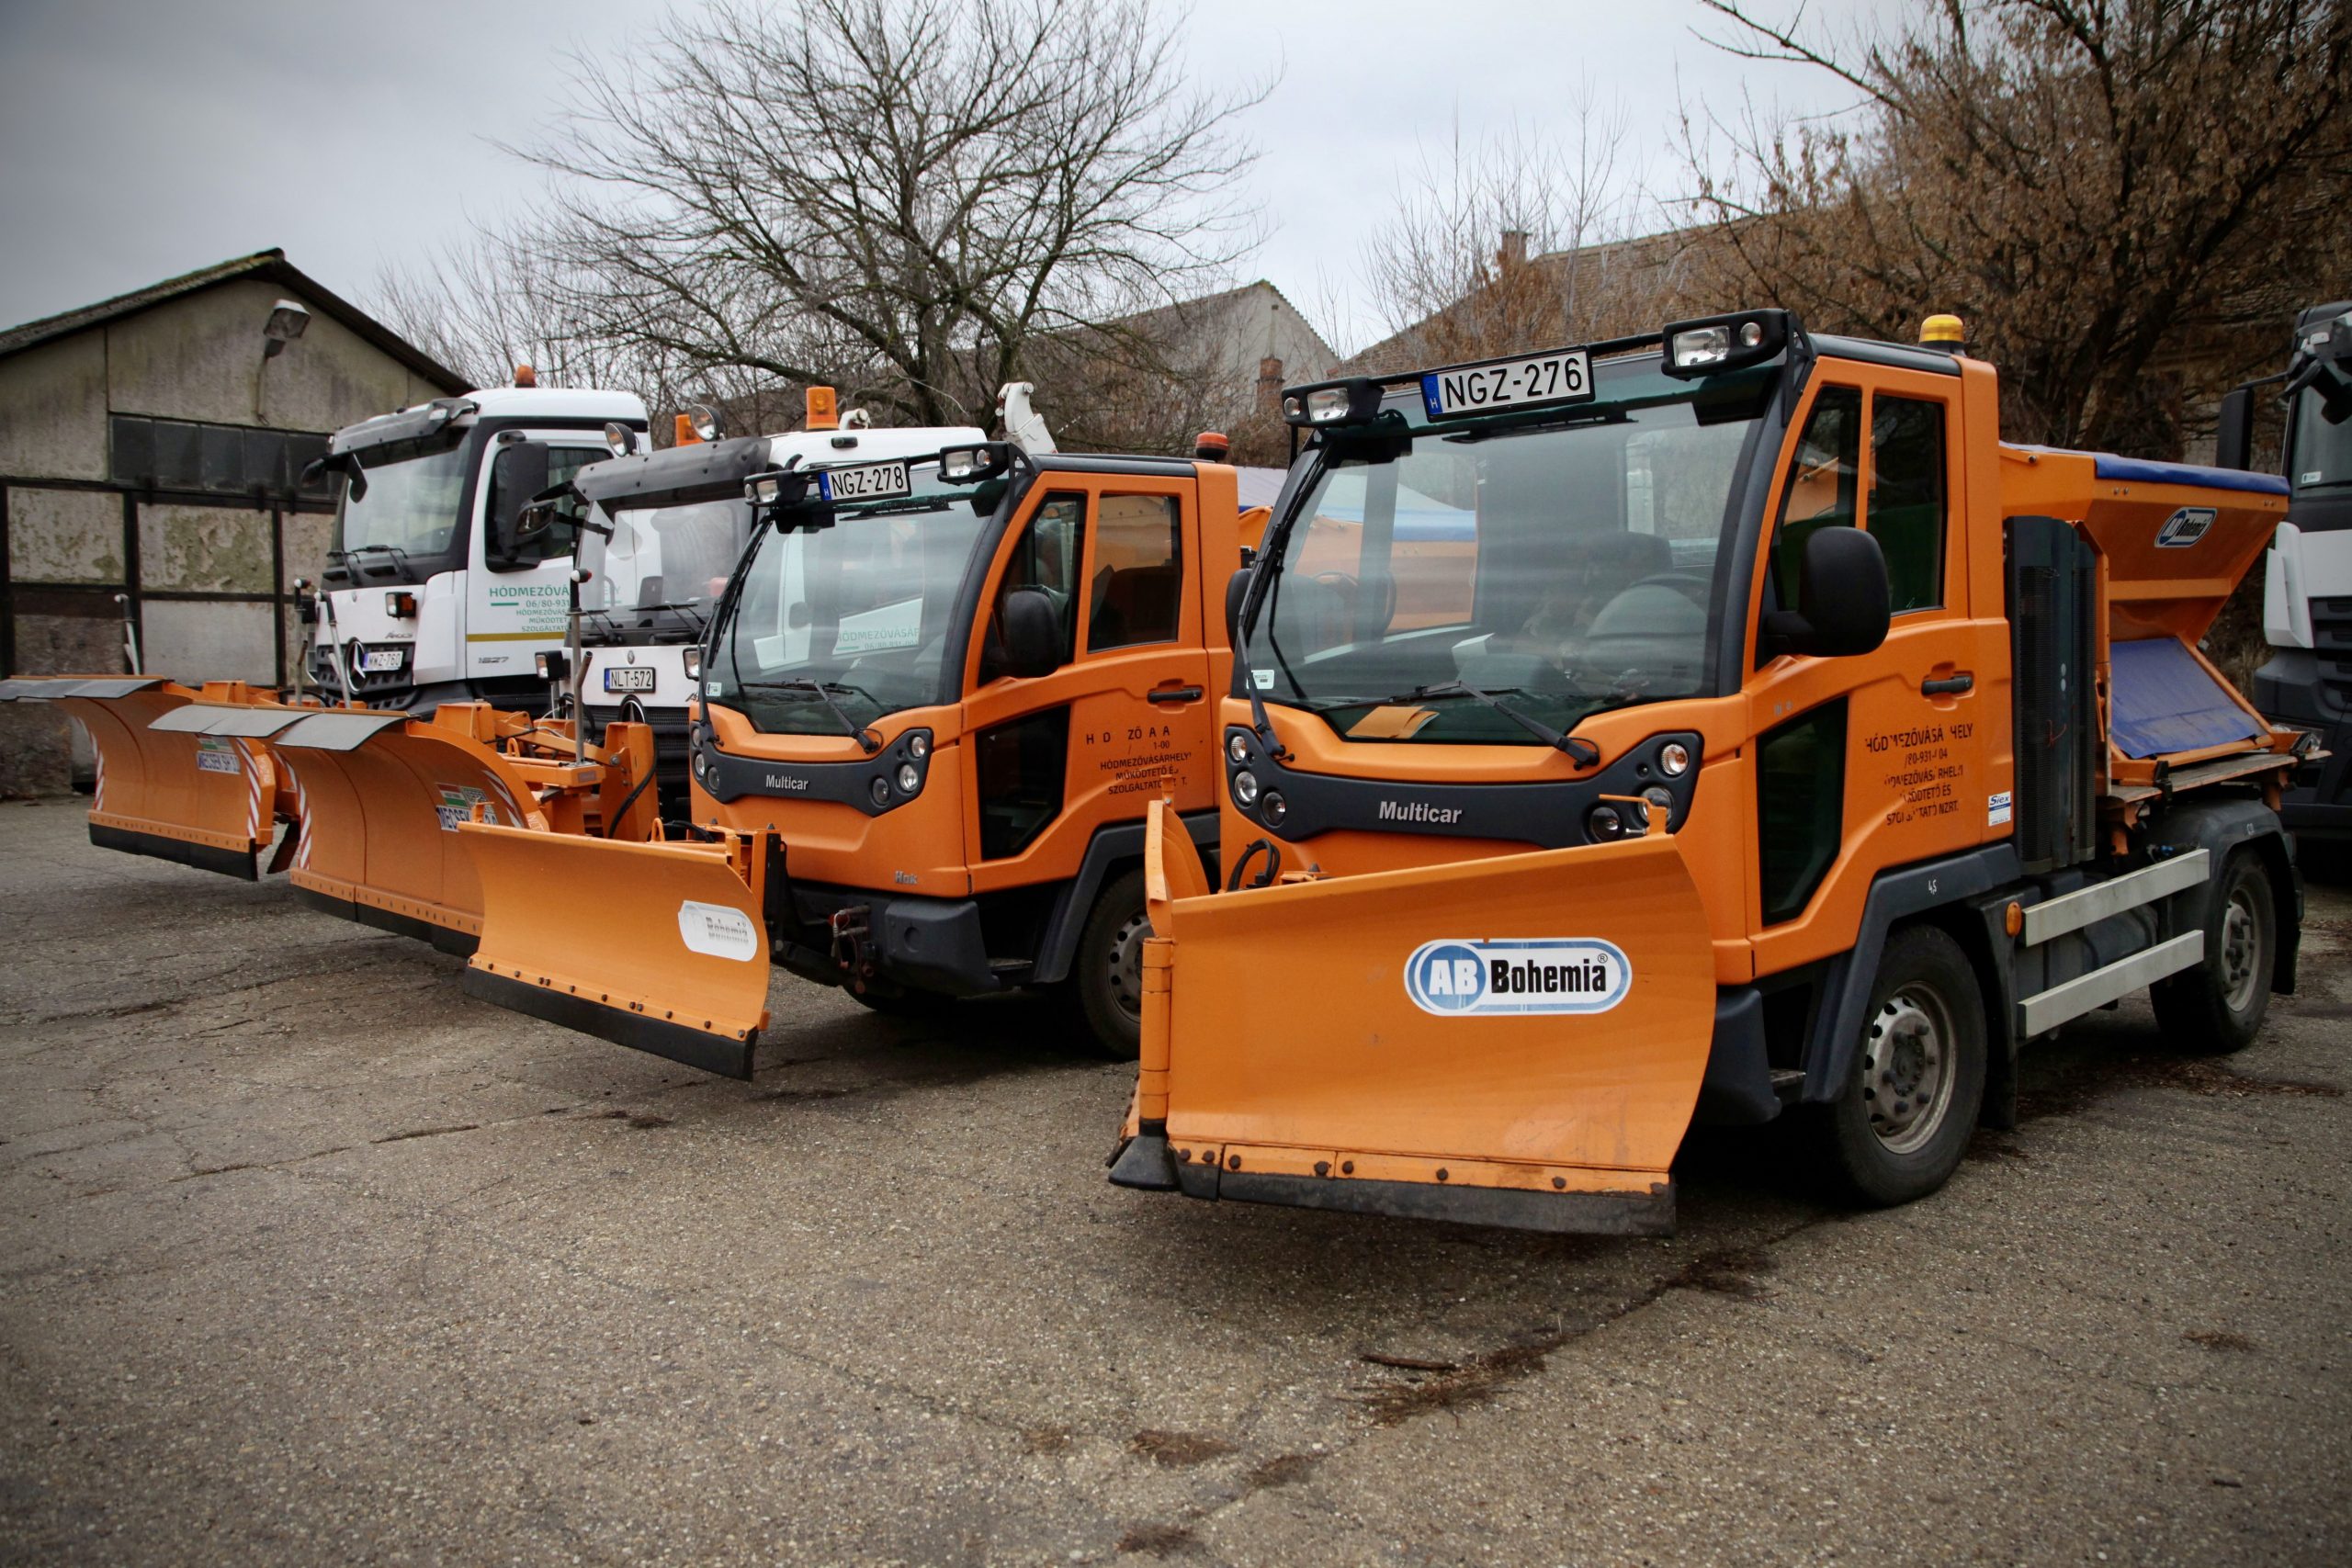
x,y
2241,945
1907,1069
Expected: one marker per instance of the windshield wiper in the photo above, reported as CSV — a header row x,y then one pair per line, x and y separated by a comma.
x,y
1583,752
685,604
865,738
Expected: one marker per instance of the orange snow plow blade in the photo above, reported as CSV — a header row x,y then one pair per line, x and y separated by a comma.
x,y
381,796
183,775
661,947
1515,1041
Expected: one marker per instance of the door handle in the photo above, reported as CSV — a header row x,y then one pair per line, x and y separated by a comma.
x,y
1176,695
1947,686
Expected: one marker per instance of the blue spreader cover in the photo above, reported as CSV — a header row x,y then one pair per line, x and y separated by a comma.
x,y
2161,700
2128,469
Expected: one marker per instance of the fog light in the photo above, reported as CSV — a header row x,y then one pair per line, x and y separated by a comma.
x,y
1675,758
880,791
1244,787
1661,800
1274,807
909,779
1604,822
917,747
1237,748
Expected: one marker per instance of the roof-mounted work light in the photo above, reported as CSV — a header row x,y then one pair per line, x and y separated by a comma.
x,y
1725,343
970,464
1353,401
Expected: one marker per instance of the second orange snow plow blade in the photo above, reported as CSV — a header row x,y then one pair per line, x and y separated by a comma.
x,y
661,947
1512,1041
382,795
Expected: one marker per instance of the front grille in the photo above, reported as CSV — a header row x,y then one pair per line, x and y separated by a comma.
x,y
2332,645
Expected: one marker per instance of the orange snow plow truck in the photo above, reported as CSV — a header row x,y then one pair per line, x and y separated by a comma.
x,y
1791,748
935,701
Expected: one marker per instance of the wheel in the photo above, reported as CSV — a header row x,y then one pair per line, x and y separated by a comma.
x,y
2218,1006
1107,975
1910,1105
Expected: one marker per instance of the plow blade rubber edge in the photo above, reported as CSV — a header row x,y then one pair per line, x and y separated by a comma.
x,y
1517,1041
658,947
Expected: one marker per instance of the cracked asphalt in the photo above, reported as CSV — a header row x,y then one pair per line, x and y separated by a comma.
x,y
306,1256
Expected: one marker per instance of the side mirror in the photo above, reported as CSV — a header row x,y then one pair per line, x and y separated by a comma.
x,y
1032,634
1237,588
521,473
2234,438
1842,597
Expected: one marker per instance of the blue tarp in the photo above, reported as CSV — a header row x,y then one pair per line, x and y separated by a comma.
x,y
2161,700
2139,471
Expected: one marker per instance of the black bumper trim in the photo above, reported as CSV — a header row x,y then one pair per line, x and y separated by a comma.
x,y
203,857
461,944
717,1054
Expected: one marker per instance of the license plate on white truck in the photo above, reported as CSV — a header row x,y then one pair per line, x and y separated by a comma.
x,y
629,678
1563,378
866,481
381,660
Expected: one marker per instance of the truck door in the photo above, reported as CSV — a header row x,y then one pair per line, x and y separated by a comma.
x,y
1876,760
1056,757
512,612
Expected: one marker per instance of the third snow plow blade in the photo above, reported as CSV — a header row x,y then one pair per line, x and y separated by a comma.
x,y
661,947
1516,1041
382,795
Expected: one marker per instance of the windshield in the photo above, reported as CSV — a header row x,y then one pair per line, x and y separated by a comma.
x,y
2323,452
410,505
1563,568
861,608
664,559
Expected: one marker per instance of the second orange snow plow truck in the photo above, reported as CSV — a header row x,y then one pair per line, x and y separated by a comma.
x,y
1720,722
936,700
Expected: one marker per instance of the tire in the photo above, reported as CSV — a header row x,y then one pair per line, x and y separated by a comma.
x,y
1107,976
2218,1006
1897,1130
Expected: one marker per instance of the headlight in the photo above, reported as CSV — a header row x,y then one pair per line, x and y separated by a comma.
x,y
1675,758
1604,823
1244,787
880,791
1237,748
917,747
764,490
1702,346
909,779
1273,808
694,664
1326,405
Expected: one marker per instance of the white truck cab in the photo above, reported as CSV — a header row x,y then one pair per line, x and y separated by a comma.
x,y
428,595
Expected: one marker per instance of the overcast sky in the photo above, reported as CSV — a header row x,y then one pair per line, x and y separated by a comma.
x,y
144,137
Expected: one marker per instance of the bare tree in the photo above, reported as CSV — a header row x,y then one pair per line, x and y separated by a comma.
x,y
1510,242
897,196
2124,197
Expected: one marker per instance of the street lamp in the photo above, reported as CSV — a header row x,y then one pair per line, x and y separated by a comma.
x,y
287,320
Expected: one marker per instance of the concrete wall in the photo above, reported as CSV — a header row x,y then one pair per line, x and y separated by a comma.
x,y
198,357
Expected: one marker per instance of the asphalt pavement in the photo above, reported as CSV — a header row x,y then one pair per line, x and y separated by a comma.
x,y
307,1257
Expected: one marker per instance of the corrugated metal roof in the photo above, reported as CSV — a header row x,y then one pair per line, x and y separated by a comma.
x,y
267,267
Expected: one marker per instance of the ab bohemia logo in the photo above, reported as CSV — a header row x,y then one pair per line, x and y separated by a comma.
x,y
1457,979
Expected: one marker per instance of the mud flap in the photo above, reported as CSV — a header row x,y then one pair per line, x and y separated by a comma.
x,y
380,799
176,779
1516,1041
659,947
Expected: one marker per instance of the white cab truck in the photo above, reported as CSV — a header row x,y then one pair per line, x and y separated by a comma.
x,y
2307,591
429,593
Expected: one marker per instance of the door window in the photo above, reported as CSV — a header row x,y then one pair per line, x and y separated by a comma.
x,y
1138,585
1906,504
1046,557
1824,477
1800,807
1020,768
